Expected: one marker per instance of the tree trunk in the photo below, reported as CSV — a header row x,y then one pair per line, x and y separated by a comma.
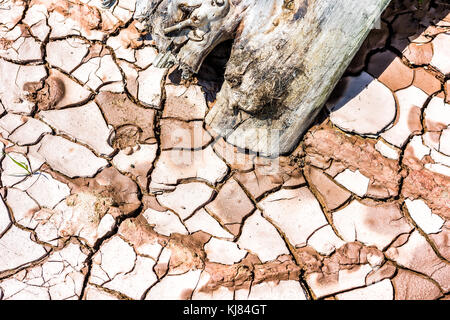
x,y
286,59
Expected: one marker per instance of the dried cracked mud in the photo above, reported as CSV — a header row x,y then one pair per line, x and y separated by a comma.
x,y
112,187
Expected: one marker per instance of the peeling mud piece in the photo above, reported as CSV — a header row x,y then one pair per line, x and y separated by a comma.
x,y
371,224
176,134
66,54
85,124
331,194
231,205
202,221
390,70
441,45
138,163
60,91
71,159
165,223
223,251
411,286
60,277
184,103
186,198
19,88
387,150
261,238
325,144
418,255
422,215
408,122
150,86
295,212
176,287
99,71
175,165
366,108
119,110
382,290
353,181
17,249
30,132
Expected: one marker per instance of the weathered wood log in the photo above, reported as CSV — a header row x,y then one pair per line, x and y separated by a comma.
x,y
287,57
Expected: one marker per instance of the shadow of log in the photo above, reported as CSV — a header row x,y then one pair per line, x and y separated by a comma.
x,y
400,22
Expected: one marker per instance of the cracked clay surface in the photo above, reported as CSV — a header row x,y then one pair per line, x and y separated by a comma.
x,y
112,187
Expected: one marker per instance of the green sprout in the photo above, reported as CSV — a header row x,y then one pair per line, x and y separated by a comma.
x,y
23,165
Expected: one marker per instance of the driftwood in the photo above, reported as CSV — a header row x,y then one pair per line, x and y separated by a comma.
x,y
286,58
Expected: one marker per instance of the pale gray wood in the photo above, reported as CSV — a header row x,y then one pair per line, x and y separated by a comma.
x,y
286,59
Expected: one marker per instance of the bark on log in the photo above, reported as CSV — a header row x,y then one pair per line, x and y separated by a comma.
x,y
287,57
